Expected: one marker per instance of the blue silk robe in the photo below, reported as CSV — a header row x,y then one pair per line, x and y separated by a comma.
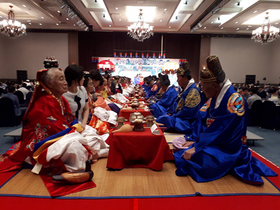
x,y
218,135
184,111
152,91
166,101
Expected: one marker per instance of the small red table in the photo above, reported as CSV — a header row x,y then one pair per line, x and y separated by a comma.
x,y
138,150
126,113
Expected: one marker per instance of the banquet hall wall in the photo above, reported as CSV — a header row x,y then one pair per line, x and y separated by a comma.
x,y
239,56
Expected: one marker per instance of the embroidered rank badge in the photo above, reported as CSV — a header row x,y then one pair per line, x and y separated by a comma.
x,y
236,104
209,121
192,99
206,105
180,105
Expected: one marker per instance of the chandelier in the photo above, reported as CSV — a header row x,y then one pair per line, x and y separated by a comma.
x,y
10,27
266,33
140,30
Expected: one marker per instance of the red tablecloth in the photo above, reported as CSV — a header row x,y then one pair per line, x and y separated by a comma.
x,y
126,113
138,149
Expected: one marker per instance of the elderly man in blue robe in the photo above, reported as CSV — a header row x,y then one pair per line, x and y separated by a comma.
x,y
217,144
182,114
169,94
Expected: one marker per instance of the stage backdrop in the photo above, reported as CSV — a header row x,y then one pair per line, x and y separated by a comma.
x,y
130,67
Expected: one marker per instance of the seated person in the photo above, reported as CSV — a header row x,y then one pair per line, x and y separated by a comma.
x,y
24,90
216,147
152,88
245,93
18,112
49,114
183,113
261,92
167,99
274,97
88,84
254,97
76,95
101,102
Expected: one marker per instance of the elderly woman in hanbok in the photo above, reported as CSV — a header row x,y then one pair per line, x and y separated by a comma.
x,y
51,135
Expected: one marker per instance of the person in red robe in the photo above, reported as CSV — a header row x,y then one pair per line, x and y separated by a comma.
x,y
47,114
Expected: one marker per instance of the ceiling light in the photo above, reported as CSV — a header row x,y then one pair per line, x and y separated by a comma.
x,y
24,5
11,27
42,17
120,19
266,33
57,24
236,22
237,29
140,30
117,8
255,11
169,26
58,11
204,27
160,20
222,28
40,24
165,9
110,25
67,18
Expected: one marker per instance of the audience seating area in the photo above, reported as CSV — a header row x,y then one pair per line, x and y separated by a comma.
x,y
7,113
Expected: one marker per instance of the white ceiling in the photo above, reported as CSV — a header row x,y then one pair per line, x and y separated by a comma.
x,y
102,15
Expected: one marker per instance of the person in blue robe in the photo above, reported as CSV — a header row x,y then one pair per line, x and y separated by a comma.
x,y
167,99
145,86
217,145
136,80
182,114
150,90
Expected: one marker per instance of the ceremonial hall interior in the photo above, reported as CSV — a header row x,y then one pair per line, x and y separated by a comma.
x,y
88,32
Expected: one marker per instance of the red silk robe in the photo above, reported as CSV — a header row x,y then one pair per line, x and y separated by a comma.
x,y
45,118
